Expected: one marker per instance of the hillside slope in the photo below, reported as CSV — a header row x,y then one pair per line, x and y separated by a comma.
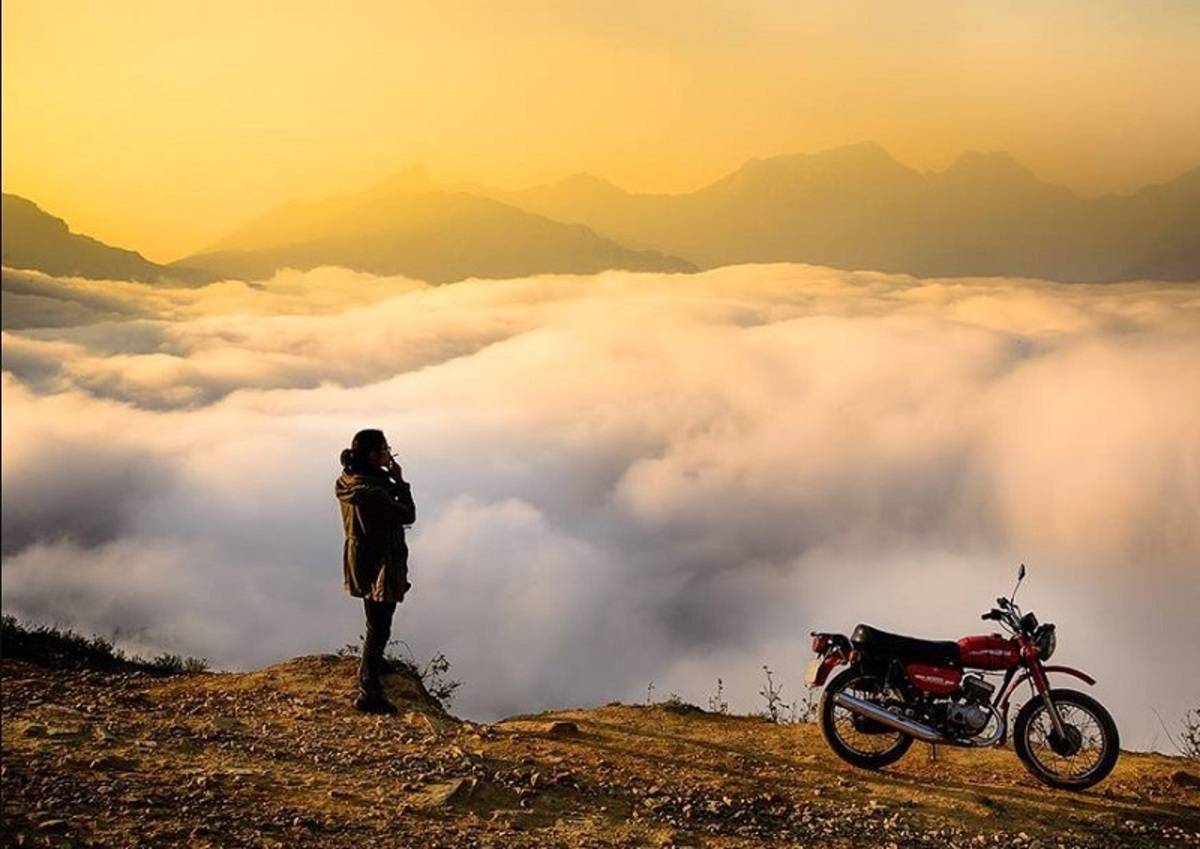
x,y
277,757
436,236
34,239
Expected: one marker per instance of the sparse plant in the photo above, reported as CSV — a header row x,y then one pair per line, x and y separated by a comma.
x,y
674,703
1189,737
716,702
804,710
349,651
771,692
175,664
650,693
1188,741
52,645
433,676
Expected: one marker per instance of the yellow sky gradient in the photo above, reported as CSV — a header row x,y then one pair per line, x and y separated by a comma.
x,y
161,126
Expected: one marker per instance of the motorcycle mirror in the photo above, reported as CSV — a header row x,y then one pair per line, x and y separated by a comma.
x,y
1020,577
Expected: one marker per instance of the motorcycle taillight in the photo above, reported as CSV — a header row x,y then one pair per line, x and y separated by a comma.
x,y
820,642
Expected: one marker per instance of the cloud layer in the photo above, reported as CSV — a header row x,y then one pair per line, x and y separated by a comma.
x,y
627,485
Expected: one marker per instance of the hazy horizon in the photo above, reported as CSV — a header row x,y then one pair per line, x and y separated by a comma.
x,y
422,174
161,128
622,479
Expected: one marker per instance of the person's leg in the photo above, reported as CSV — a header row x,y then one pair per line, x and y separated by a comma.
x,y
370,669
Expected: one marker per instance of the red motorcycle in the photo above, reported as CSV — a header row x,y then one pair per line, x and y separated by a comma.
x,y
899,689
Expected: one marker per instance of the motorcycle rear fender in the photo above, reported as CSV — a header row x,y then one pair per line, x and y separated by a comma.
x,y
827,664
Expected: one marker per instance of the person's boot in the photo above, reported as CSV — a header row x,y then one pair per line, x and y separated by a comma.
x,y
371,699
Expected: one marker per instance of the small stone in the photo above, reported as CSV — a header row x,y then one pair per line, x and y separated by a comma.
x,y
113,762
444,793
227,723
1180,778
63,733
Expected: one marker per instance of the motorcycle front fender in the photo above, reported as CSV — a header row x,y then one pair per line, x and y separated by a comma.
x,y
1065,670
1026,675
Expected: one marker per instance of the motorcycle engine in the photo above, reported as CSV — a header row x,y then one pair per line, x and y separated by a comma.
x,y
971,714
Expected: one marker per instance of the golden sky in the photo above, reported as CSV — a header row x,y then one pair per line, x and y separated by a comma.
x,y
161,126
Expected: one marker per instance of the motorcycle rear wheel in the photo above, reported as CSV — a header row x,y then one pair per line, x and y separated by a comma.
x,y
1085,757
853,738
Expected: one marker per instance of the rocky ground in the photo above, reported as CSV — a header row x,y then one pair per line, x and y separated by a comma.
x,y
278,758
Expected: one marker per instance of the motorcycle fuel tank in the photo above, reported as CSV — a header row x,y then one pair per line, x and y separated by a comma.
x,y
990,651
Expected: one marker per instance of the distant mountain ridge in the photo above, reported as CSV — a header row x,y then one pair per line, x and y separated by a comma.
x,y
34,239
434,235
853,207
857,208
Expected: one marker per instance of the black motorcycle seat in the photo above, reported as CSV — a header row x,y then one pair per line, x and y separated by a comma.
x,y
872,641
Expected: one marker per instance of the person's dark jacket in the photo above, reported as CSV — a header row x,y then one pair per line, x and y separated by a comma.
x,y
375,509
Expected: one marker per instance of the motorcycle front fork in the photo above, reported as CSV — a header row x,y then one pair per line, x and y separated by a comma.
x,y
1065,740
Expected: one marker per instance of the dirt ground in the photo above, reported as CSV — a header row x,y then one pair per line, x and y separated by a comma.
x,y
278,758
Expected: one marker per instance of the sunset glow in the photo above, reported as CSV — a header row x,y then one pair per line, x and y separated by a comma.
x,y
162,126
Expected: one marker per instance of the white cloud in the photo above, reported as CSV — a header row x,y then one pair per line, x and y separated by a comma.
x,y
621,478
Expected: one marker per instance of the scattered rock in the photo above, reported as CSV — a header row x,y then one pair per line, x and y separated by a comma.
x,y
1183,778
277,759
443,793
113,763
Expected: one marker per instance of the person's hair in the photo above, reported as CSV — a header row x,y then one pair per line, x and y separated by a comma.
x,y
368,441
365,442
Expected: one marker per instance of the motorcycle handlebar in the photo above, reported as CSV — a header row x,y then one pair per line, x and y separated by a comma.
x,y
991,614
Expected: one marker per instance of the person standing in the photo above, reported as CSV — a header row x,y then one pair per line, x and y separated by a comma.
x,y
377,505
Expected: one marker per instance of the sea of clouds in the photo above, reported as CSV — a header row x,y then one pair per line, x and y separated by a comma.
x,y
629,486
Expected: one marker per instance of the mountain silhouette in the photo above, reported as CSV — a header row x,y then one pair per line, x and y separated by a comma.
x,y
853,207
858,208
406,227
35,240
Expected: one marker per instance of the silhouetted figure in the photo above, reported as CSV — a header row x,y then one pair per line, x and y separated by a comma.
x,y
376,505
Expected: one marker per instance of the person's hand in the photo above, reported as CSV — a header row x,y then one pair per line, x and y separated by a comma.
x,y
394,468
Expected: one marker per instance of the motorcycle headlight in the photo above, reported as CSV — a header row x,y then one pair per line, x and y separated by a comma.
x,y
1047,641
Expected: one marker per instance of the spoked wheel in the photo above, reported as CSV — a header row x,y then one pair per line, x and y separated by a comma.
x,y
1081,756
854,738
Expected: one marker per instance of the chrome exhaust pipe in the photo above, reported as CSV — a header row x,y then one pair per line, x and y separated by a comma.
x,y
915,729
891,720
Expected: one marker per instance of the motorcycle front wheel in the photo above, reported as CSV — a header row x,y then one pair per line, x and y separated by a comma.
x,y
1084,755
854,738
